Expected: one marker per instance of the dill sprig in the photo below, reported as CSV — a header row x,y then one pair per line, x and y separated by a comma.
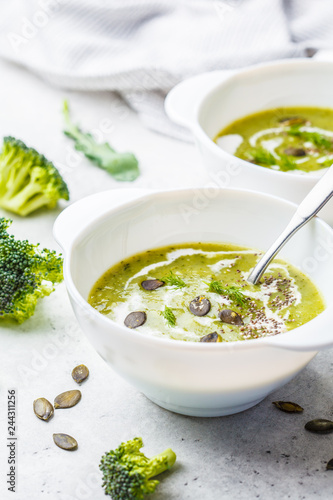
x,y
317,139
173,280
261,155
287,163
234,293
169,316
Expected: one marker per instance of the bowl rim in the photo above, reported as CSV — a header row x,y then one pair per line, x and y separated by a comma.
x,y
241,74
131,334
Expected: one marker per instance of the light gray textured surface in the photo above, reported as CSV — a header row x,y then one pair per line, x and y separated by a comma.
x,y
262,453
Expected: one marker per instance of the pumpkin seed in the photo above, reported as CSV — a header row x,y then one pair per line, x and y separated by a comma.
x,y
292,120
320,425
211,337
295,152
329,465
67,399
200,306
230,317
152,284
80,373
288,406
135,319
65,441
43,409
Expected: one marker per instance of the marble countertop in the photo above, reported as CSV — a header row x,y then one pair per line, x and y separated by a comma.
x,y
261,453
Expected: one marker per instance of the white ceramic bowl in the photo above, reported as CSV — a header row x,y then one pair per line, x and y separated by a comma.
x,y
192,378
207,103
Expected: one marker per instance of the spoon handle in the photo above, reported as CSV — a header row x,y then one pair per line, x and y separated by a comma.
x,y
319,195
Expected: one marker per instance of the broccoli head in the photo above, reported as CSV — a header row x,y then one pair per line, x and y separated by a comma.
x,y
127,472
28,181
27,273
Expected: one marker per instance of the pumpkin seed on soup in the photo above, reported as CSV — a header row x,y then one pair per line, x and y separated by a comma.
x,y
295,151
135,319
292,121
152,284
230,317
67,399
211,337
200,306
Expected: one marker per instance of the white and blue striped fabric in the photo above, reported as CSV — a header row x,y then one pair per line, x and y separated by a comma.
x,y
144,47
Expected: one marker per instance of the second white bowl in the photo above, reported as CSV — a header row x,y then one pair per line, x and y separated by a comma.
x,y
207,103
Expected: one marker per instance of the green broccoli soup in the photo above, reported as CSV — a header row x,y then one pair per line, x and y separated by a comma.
x,y
198,292
284,139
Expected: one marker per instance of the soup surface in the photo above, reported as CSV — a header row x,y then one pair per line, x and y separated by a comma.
x,y
198,292
286,139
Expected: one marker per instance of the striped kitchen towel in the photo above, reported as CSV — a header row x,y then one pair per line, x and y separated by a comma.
x,y
142,48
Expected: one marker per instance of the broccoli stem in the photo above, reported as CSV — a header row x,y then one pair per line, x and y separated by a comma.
x,y
168,459
27,200
16,179
86,142
122,166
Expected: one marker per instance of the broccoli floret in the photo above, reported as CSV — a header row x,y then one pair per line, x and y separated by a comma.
x,y
28,181
122,166
27,273
127,472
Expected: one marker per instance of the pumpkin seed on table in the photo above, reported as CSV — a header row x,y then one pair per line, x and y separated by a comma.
x,y
67,399
43,409
211,337
80,373
200,306
135,319
329,465
230,317
152,284
319,425
288,406
65,442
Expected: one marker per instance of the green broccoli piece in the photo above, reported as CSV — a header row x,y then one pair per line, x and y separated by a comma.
x,y
27,273
28,181
122,166
127,472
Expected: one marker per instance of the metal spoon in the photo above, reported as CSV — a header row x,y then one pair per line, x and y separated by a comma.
x,y
319,195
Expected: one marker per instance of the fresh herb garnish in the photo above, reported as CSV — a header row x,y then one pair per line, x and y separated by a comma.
x,y
317,139
326,163
234,293
287,163
169,316
173,280
261,155
122,166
